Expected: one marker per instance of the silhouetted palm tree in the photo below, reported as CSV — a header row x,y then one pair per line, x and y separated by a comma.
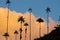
x,y
16,33
6,34
26,24
47,11
8,2
30,10
40,20
21,19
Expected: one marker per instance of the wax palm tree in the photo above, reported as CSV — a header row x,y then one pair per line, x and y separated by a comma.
x,y
21,19
16,33
40,20
30,10
8,2
47,11
6,34
26,24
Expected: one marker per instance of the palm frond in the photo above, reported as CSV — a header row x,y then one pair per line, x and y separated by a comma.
x,y
30,10
21,19
48,9
8,1
16,32
26,24
40,20
6,35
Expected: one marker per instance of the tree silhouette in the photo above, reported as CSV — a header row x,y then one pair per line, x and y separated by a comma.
x,y
21,19
6,34
30,10
53,35
40,20
47,11
8,2
26,24
16,33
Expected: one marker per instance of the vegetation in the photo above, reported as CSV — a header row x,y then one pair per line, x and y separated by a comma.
x,y
54,35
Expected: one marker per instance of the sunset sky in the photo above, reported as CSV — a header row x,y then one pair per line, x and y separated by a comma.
x,y
19,8
38,7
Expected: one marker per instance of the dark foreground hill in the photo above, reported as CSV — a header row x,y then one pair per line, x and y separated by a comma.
x,y
54,35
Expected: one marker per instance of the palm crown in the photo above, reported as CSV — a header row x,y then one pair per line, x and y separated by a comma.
x,y
48,10
7,2
16,32
40,20
21,19
26,24
6,35
30,10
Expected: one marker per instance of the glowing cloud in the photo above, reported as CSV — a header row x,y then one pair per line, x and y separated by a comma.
x,y
14,25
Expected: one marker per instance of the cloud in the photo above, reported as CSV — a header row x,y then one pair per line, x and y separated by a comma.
x,y
15,25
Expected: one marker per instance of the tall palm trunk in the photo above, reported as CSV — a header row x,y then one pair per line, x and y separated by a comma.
x,y
30,10
47,22
6,38
39,29
15,36
25,33
30,26
21,31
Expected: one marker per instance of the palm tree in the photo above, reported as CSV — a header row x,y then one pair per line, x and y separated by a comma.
x,y
30,10
16,33
47,11
21,19
6,34
26,24
40,20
